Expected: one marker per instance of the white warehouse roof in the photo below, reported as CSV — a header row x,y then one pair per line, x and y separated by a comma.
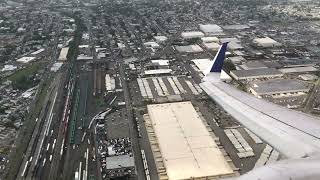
x,y
212,46
187,148
192,34
266,42
211,29
160,38
63,54
161,62
26,59
210,39
157,71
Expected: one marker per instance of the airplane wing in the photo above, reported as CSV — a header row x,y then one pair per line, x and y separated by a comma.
x,y
294,134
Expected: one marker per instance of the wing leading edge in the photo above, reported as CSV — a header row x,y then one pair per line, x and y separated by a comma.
x,y
294,134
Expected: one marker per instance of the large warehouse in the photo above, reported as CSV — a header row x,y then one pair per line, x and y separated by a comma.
x,y
211,29
188,150
278,86
256,74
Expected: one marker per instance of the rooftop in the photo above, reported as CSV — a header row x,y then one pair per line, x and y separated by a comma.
x,y
276,86
157,71
115,162
299,69
257,72
211,28
266,42
26,59
187,148
253,65
192,34
190,48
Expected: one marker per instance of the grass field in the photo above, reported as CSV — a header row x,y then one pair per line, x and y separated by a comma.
x,y
22,79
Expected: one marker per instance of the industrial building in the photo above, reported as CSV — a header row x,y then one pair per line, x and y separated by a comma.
x,y
152,44
210,39
236,27
183,145
160,39
253,65
211,29
192,34
212,46
256,74
110,83
189,49
63,54
308,77
278,86
234,45
161,62
237,59
157,72
26,59
298,69
266,42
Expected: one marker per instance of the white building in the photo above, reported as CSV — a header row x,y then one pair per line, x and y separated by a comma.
x,y
210,39
192,34
160,39
26,59
266,42
63,54
212,46
211,29
188,149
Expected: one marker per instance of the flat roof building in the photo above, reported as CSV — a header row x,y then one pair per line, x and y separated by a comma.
x,y
189,49
308,77
266,42
298,69
237,59
253,65
211,29
152,44
256,74
157,71
160,39
236,27
192,34
63,54
161,62
212,46
278,86
188,150
209,39
26,59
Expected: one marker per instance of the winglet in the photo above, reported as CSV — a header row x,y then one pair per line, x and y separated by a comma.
x,y
219,58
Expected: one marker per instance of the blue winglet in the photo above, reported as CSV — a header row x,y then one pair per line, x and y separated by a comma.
x,y
219,58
